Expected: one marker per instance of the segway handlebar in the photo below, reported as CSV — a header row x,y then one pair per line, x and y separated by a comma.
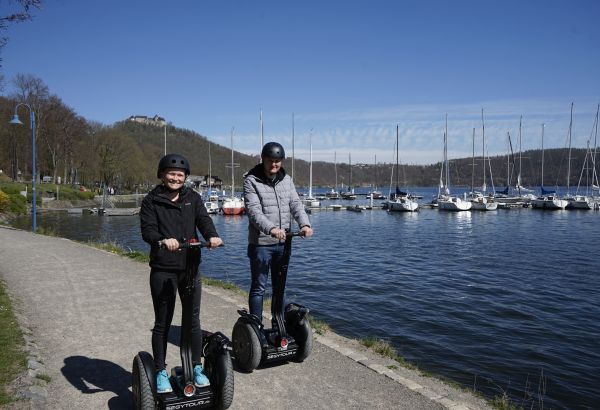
x,y
296,233
190,245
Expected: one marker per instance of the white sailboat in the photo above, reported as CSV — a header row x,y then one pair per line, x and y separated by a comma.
x,y
577,200
349,194
479,200
522,196
310,201
401,201
212,200
548,198
445,201
334,194
233,205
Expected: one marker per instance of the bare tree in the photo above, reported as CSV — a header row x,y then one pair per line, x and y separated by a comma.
x,y
33,91
21,13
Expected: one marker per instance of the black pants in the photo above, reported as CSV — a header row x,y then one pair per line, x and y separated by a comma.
x,y
164,286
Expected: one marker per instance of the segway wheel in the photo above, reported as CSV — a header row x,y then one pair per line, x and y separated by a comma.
x,y
246,346
304,338
220,371
143,399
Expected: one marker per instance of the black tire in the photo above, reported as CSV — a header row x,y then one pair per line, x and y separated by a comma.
x,y
304,338
220,371
143,399
246,346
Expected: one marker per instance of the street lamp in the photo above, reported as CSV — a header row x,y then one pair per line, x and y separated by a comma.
x,y
15,120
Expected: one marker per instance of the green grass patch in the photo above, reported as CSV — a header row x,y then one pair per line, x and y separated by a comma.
x,y
384,348
12,359
223,285
504,403
317,325
114,247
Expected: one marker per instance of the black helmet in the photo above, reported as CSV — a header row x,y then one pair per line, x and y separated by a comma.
x,y
273,150
173,161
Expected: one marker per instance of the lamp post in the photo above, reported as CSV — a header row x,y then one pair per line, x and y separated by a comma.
x,y
15,120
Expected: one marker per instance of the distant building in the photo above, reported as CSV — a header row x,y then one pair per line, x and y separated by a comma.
x,y
142,119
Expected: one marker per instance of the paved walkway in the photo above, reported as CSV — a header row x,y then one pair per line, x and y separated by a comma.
x,y
90,312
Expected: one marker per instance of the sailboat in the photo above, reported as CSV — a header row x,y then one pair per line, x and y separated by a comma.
x,y
211,203
479,200
349,194
445,201
401,201
310,201
232,205
588,170
548,198
334,194
375,193
576,201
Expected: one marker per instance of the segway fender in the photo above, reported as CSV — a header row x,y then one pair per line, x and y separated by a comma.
x,y
295,314
251,320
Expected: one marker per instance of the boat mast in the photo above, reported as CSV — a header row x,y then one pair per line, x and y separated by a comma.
x,y
542,157
397,170
520,156
209,190
262,137
335,168
473,166
232,168
447,189
569,161
483,187
310,169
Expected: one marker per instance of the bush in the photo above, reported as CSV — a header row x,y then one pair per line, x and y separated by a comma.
x,y
4,201
18,204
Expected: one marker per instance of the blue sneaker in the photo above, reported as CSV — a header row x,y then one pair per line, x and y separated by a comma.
x,y
200,380
162,382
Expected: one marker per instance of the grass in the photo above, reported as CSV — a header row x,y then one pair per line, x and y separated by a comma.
x,y
114,247
13,358
384,348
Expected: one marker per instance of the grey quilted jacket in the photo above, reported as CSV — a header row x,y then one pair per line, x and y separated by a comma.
x,y
270,204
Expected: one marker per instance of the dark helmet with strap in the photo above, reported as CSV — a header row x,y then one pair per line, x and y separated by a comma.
x,y
173,161
273,150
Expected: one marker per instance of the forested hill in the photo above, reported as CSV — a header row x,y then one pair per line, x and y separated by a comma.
x,y
126,153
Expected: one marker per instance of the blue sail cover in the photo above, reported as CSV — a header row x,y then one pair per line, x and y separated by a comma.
x,y
503,192
400,193
546,191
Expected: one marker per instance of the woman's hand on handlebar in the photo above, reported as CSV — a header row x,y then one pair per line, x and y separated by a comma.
x,y
215,242
170,244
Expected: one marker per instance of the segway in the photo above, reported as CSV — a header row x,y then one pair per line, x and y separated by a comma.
x,y
254,346
216,349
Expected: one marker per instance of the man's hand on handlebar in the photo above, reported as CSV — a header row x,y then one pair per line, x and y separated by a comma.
x,y
278,233
307,231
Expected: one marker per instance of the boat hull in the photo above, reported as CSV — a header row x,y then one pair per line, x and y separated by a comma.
x,y
549,203
454,204
403,205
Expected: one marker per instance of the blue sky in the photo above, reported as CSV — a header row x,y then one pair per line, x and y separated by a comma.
x,y
348,70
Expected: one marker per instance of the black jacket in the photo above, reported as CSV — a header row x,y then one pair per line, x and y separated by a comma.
x,y
160,218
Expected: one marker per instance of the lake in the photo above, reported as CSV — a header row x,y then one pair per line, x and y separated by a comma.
x,y
505,301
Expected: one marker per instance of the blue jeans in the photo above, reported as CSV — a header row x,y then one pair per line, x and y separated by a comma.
x,y
262,260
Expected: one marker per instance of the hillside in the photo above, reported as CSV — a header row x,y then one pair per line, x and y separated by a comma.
x,y
125,154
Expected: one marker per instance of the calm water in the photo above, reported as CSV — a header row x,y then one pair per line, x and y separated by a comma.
x,y
504,301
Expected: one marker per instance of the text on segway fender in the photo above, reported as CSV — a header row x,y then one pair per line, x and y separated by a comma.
x,y
188,405
281,354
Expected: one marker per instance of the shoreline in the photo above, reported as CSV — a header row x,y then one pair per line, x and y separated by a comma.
x,y
432,388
